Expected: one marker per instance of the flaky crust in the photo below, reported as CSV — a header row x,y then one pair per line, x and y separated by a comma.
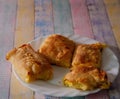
x,y
29,64
86,78
58,49
88,55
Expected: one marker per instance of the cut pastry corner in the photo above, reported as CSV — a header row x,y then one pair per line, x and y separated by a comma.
x,y
87,78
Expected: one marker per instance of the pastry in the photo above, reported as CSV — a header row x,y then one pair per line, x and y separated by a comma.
x,y
29,64
88,55
86,78
58,49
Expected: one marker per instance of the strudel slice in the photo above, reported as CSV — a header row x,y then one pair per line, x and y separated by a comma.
x,y
86,78
58,49
29,64
88,55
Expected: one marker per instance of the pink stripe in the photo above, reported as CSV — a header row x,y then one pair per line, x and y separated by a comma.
x,y
7,26
39,96
81,21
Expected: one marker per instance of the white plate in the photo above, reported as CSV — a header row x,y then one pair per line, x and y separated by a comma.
x,y
55,87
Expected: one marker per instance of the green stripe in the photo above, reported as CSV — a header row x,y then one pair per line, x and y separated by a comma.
x,y
62,17
77,97
63,24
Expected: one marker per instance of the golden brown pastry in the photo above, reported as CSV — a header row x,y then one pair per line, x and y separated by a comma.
x,y
86,78
88,55
58,49
28,64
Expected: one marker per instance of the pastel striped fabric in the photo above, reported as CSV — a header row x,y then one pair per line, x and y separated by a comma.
x,y
24,20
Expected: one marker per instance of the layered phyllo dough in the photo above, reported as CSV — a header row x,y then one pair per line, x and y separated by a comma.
x,y
88,55
58,50
86,78
29,64
86,72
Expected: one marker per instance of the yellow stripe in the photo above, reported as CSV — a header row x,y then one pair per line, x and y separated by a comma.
x,y
113,9
24,33
25,22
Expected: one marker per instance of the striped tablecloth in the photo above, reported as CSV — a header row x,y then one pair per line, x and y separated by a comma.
x,y
24,20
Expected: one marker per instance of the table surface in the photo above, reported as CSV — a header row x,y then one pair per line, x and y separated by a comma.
x,y
24,20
